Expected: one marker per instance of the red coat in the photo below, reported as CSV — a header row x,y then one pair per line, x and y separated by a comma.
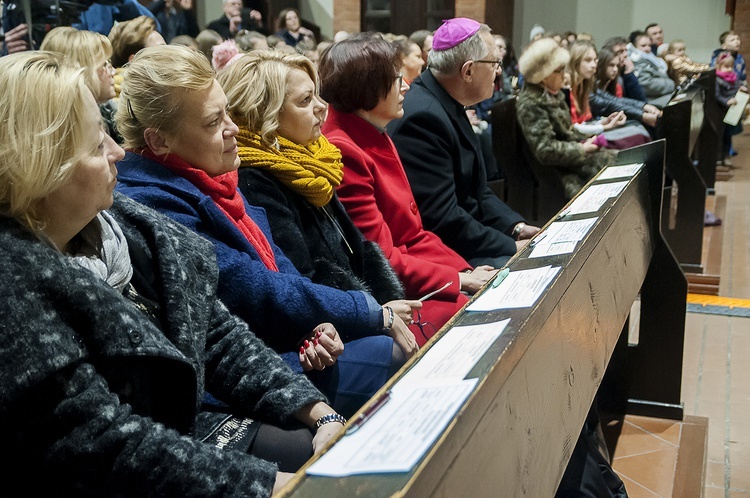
x,y
379,200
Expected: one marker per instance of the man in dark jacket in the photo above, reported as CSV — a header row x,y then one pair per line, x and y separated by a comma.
x,y
442,155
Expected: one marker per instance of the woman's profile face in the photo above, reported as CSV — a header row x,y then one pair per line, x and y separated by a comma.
x,y
392,106
106,74
205,137
301,115
413,62
587,66
94,177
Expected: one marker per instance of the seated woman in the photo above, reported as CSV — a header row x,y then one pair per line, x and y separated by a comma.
x,y
291,171
545,121
411,57
289,28
172,110
112,329
607,95
613,126
359,78
92,51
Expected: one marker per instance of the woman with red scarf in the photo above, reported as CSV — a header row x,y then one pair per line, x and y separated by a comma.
x,y
182,160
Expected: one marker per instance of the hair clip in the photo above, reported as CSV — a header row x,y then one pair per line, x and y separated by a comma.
x,y
130,110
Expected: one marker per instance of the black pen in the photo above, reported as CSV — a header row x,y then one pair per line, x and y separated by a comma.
x,y
365,416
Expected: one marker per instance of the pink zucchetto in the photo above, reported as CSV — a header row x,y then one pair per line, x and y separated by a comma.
x,y
454,31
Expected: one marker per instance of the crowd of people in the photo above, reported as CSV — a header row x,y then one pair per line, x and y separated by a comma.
x,y
289,221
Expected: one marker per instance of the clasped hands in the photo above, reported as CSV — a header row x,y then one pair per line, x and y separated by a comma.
x,y
321,349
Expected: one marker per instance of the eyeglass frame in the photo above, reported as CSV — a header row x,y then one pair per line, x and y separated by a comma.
x,y
421,325
497,62
400,79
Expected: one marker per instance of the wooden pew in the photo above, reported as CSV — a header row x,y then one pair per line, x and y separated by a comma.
x,y
534,191
516,431
685,193
709,142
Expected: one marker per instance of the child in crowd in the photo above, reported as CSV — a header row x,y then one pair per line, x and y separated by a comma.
x,y
680,65
727,86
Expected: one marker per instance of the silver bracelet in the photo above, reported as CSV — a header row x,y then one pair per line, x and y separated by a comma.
x,y
327,419
389,325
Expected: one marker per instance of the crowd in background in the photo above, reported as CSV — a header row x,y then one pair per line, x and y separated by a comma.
x,y
293,219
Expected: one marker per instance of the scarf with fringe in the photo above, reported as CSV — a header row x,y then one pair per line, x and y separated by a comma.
x,y
312,171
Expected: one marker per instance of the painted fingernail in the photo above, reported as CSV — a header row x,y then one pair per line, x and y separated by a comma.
x,y
307,344
318,333
315,342
301,350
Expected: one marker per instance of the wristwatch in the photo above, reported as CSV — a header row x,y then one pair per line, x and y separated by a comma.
x,y
518,229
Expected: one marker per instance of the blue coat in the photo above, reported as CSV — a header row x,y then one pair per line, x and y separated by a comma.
x,y
281,307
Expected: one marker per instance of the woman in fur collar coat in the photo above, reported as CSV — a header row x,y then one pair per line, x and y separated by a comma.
x,y
110,329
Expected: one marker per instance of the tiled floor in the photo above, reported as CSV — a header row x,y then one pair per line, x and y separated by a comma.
x,y
716,373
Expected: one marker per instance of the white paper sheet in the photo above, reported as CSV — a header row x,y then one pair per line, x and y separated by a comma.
x,y
735,112
594,197
622,171
520,289
399,434
456,353
561,237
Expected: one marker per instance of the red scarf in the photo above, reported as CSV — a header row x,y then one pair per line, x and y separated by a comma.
x,y
223,191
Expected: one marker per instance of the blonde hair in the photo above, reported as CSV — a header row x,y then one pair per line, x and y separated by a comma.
x,y
579,87
129,37
151,94
257,85
42,108
86,48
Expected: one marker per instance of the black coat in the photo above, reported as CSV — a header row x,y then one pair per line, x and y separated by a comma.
x,y
96,400
322,243
443,161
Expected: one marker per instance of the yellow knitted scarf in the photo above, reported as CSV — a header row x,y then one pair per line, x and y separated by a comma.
x,y
313,171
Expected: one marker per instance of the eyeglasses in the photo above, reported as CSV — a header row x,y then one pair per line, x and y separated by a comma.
x,y
399,80
426,328
497,62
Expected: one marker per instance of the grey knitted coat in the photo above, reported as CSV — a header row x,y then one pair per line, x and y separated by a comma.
x,y
96,400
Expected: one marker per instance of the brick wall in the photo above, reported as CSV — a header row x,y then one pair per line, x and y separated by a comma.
x,y
741,24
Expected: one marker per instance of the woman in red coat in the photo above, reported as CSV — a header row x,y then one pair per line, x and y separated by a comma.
x,y
360,80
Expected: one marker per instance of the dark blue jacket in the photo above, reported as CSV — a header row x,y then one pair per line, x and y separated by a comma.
x,y
281,307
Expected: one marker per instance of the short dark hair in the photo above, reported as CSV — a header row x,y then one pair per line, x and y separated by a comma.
x,y
357,72
610,43
723,36
637,34
653,24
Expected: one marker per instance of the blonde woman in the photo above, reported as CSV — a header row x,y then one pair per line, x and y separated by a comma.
x,y
93,52
173,116
127,39
112,330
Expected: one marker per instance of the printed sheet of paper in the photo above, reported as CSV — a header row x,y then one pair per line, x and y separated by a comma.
x,y
623,171
561,237
399,434
594,197
456,353
520,289
734,113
